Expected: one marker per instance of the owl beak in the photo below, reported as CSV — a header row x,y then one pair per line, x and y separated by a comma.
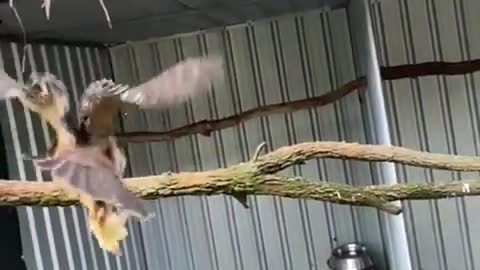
x,y
36,93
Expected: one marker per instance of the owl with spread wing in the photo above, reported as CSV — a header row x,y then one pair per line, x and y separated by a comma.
x,y
85,157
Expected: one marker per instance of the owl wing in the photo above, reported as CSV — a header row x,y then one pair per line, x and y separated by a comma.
x,y
99,104
176,84
42,86
88,172
193,76
9,88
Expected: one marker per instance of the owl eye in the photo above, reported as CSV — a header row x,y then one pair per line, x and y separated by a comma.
x,y
35,91
85,120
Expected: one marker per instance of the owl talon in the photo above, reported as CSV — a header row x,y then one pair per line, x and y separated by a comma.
x,y
107,226
100,213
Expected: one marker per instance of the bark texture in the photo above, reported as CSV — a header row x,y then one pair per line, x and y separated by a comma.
x,y
257,177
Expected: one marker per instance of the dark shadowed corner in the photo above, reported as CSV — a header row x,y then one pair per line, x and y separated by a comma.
x,y
10,244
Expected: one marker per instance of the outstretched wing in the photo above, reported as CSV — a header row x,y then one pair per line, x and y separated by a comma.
x,y
47,90
87,171
176,84
9,88
43,92
193,76
99,104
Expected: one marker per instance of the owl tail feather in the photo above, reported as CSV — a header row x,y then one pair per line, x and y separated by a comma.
x,y
107,225
108,202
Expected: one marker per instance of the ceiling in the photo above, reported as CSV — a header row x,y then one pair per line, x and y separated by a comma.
x,y
84,20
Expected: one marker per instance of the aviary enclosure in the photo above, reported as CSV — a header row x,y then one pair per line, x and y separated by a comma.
x,y
337,121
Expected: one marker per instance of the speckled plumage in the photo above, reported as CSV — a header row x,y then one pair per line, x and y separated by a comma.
x,y
85,155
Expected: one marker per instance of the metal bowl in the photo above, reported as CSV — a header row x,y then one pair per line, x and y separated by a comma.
x,y
350,256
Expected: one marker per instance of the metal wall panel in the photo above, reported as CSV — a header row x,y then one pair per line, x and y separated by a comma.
x,y
54,238
434,113
373,101
269,61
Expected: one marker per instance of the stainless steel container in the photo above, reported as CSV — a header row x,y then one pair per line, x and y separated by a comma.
x,y
351,256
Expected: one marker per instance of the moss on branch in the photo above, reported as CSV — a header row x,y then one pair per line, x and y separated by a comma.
x,y
257,177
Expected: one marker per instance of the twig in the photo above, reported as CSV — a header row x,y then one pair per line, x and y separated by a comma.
x,y
242,197
206,127
256,154
257,178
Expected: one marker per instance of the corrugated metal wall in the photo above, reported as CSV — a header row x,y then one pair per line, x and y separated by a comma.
x,y
269,61
55,238
366,56
434,113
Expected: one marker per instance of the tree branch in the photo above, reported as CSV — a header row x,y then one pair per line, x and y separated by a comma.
x,y
47,194
256,177
205,127
287,156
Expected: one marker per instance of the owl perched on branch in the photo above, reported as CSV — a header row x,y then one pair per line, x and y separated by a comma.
x,y
85,156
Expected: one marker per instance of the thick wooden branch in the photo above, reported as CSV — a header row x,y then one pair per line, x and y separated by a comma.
x,y
256,177
235,183
287,156
205,127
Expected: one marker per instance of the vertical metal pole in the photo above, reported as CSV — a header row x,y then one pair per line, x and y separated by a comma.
x,y
397,244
